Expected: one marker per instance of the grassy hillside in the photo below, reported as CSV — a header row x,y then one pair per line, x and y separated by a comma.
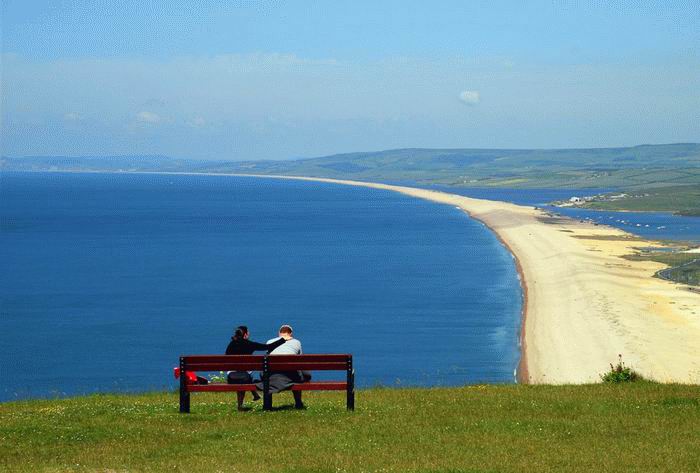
x,y
683,200
645,166
640,427
634,167
647,170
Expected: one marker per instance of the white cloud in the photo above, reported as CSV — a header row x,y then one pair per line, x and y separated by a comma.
x,y
470,97
73,117
197,122
147,117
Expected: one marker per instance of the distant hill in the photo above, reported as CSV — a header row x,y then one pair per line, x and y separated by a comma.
x,y
92,163
641,166
598,167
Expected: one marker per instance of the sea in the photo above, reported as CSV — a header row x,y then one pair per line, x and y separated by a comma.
x,y
108,278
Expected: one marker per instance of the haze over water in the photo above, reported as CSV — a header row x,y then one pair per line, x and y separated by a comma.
x,y
108,278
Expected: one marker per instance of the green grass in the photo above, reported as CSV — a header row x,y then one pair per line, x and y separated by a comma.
x,y
593,428
683,200
682,267
668,258
687,274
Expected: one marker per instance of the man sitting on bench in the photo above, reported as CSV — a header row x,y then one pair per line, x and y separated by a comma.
x,y
281,380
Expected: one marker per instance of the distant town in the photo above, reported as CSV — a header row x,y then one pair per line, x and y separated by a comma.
x,y
576,201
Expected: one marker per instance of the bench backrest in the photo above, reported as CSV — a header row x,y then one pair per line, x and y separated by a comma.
x,y
309,362
331,362
223,362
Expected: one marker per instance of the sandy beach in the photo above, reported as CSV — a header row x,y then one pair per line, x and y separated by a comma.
x,y
584,304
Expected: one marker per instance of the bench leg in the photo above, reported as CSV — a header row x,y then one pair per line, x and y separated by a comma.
x,y
241,396
267,402
184,402
184,394
350,402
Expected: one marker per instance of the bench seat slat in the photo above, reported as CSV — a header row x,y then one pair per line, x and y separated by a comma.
x,y
193,388
321,386
310,386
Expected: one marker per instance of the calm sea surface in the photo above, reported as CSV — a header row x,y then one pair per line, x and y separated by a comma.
x,y
107,278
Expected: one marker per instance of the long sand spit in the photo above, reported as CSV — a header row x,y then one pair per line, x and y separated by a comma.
x,y
583,304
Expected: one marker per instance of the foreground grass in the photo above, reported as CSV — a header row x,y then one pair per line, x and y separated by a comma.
x,y
635,427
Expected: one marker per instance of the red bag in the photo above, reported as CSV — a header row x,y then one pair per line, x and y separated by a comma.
x,y
191,377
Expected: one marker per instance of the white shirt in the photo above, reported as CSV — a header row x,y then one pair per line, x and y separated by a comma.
x,y
290,347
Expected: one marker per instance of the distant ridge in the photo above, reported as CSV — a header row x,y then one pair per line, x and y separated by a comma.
x,y
642,165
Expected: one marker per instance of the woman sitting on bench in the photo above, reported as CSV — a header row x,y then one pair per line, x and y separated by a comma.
x,y
240,345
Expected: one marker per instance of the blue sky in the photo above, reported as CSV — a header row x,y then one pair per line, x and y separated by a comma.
x,y
274,80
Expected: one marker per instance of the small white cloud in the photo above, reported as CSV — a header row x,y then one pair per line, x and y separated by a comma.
x,y
147,117
197,122
154,103
72,117
470,97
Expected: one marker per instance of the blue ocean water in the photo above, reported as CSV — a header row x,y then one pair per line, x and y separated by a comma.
x,y
107,278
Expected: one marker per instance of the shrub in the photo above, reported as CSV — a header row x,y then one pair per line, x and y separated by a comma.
x,y
620,373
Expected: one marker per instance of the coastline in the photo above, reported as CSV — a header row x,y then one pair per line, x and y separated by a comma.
x,y
522,373
582,303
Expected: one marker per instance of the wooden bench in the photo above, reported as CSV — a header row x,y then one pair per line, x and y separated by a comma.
x,y
267,365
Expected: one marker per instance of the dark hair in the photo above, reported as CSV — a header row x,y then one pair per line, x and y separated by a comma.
x,y
241,331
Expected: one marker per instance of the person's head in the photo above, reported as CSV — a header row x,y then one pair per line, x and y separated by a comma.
x,y
241,333
286,331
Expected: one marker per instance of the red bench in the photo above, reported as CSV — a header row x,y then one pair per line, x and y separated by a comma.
x,y
267,364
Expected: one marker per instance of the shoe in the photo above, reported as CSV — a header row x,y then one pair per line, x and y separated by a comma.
x,y
256,396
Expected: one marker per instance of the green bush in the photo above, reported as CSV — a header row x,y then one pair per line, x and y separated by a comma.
x,y
218,378
620,373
